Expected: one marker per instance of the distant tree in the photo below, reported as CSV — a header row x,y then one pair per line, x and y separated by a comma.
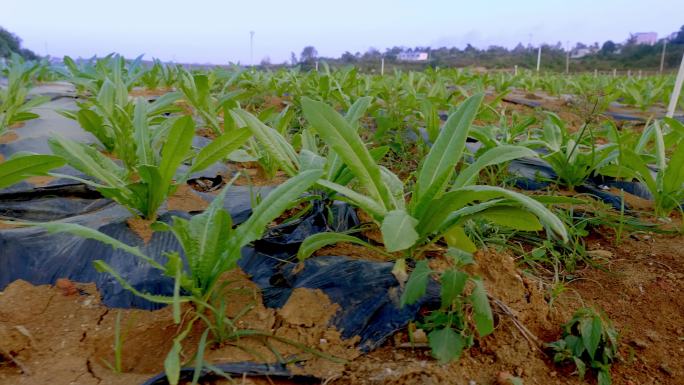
x,y
631,40
293,58
608,47
519,48
10,42
580,45
265,62
679,37
372,54
308,55
348,57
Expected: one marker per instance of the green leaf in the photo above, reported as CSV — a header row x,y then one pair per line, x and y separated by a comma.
x,y
21,167
453,282
446,344
317,241
176,147
220,148
365,203
513,217
604,376
199,357
347,144
86,232
491,157
89,161
581,366
448,147
274,143
357,110
275,203
482,313
172,363
141,132
399,230
591,330
456,237
416,284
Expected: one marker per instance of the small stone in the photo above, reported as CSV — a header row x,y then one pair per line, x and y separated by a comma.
x,y
472,382
519,371
553,374
599,253
652,335
665,369
503,378
66,286
639,343
419,337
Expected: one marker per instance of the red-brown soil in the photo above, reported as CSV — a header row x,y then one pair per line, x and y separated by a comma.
x,y
63,335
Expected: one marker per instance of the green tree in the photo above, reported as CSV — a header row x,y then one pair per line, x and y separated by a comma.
x,y
608,47
309,54
10,42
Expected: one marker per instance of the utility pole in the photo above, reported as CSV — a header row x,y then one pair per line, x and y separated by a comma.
x,y
538,57
674,98
662,56
382,66
251,48
567,59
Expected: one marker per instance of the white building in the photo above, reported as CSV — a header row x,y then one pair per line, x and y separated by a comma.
x,y
581,52
649,38
412,56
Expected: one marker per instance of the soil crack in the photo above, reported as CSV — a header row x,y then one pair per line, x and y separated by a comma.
x,y
89,366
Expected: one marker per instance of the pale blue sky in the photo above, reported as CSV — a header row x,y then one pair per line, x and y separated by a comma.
x,y
218,31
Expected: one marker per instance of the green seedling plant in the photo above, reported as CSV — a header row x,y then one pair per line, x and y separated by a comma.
x,y
144,186
89,76
590,342
15,106
439,203
571,159
666,182
437,195
159,76
211,247
644,94
464,307
114,119
197,91
21,166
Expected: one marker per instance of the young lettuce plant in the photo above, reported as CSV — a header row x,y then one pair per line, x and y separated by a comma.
x,y
114,119
144,187
197,91
212,247
14,106
570,159
666,184
439,203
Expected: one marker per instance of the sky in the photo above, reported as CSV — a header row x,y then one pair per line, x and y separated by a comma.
x,y
218,32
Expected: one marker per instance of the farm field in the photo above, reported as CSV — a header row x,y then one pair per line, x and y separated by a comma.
x,y
162,224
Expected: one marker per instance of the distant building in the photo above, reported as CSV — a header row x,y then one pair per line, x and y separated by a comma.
x,y
649,38
412,56
582,52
